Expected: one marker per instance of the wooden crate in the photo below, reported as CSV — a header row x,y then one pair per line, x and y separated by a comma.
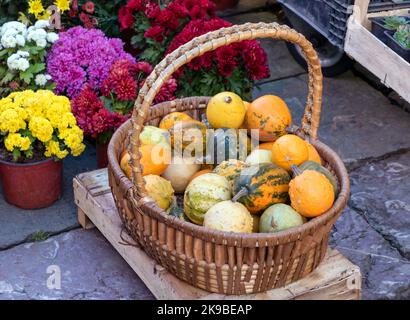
x,y
335,278
360,44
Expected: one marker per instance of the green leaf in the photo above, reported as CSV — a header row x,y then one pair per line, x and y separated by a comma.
x,y
7,78
36,68
3,52
137,39
26,76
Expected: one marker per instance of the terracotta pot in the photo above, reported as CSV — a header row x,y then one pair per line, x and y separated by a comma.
x,y
225,4
32,185
102,159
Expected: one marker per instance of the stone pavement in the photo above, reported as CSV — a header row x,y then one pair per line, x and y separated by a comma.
x,y
371,135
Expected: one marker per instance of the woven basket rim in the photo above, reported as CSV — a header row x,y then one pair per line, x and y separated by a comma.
x,y
212,235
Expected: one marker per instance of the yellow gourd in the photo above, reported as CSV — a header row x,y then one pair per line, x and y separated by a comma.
x,y
229,216
226,110
160,190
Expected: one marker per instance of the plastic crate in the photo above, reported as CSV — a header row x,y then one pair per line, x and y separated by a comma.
x,y
330,17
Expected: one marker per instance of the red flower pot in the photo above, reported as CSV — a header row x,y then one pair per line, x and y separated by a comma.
x,y
102,159
32,185
225,4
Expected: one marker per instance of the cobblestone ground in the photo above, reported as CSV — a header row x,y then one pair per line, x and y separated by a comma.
x,y
367,129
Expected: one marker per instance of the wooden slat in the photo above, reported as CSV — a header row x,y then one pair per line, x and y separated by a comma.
x,y
335,278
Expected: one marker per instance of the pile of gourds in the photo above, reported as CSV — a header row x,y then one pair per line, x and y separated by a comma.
x,y
280,184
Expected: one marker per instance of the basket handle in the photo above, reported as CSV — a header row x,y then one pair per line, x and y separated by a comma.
x,y
211,41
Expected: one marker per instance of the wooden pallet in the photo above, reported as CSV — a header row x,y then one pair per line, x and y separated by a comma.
x,y
335,278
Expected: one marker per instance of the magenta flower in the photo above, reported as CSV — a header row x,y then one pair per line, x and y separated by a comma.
x,y
83,57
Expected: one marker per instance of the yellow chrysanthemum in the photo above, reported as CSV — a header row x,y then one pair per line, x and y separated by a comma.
x,y
41,128
48,118
79,149
53,150
35,7
45,15
63,5
15,140
10,121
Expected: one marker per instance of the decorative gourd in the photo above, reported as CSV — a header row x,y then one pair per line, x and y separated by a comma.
x,y
190,135
230,169
153,135
200,173
225,110
270,115
202,193
289,150
160,190
311,165
279,217
260,186
124,163
176,211
224,144
313,154
229,216
170,119
154,159
266,146
180,171
311,193
259,156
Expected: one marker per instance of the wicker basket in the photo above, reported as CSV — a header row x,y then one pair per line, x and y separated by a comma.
x,y
221,262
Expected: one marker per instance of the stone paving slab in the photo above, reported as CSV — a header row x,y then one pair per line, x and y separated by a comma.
x,y
385,273
90,269
246,6
18,225
380,192
281,63
357,121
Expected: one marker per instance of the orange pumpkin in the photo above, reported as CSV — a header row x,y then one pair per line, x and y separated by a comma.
x,y
170,119
154,160
200,173
270,115
313,154
311,194
266,146
289,150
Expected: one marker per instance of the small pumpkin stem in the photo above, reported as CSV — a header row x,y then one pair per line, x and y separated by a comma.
x,y
243,192
296,171
228,99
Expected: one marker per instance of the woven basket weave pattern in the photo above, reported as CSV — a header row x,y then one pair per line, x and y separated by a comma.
x,y
217,261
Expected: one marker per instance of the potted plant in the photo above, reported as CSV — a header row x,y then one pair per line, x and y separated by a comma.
x,y
37,131
100,112
383,25
22,56
400,42
159,30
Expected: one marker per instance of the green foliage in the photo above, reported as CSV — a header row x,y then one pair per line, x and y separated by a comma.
x,y
210,82
106,13
394,22
39,236
402,36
